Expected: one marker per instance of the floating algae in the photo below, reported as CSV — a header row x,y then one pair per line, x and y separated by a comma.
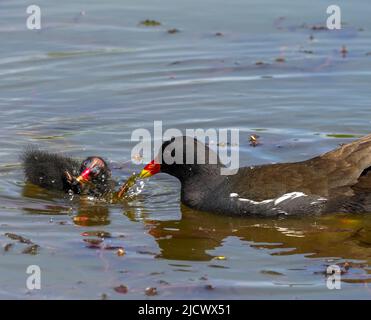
x,y
172,31
254,140
16,237
32,249
150,23
121,289
342,136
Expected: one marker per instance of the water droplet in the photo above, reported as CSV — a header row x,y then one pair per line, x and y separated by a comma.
x,y
71,194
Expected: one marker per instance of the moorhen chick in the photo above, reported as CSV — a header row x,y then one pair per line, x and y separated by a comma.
x,y
56,172
337,181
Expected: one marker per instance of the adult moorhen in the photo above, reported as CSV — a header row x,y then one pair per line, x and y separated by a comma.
x,y
337,181
55,172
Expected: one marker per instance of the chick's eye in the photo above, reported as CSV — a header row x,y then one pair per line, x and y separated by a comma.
x,y
95,170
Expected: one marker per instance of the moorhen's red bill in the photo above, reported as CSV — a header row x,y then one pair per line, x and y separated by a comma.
x,y
337,181
56,172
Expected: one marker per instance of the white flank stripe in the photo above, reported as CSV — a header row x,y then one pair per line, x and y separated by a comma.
x,y
289,196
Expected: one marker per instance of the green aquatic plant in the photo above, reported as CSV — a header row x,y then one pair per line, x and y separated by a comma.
x,y
150,23
342,135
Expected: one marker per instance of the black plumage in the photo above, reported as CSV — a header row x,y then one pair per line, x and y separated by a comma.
x,y
337,181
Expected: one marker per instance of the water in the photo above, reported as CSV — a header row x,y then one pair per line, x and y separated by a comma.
x,y
92,75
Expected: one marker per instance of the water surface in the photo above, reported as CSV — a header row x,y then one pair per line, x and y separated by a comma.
x,y
93,74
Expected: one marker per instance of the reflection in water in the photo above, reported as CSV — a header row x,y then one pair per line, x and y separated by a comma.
x,y
42,201
197,233
88,212
92,214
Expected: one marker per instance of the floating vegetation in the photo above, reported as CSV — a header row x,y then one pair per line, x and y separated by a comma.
x,y
150,23
219,34
172,31
49,137
217,266
174,63
151,291
318,27
8,246
146,252
120,252
156,273
32,249
271,273
280,59
121,289
254,140
16,237
344,51
100,234
345,267
314,27
259,63
342,136
259,129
